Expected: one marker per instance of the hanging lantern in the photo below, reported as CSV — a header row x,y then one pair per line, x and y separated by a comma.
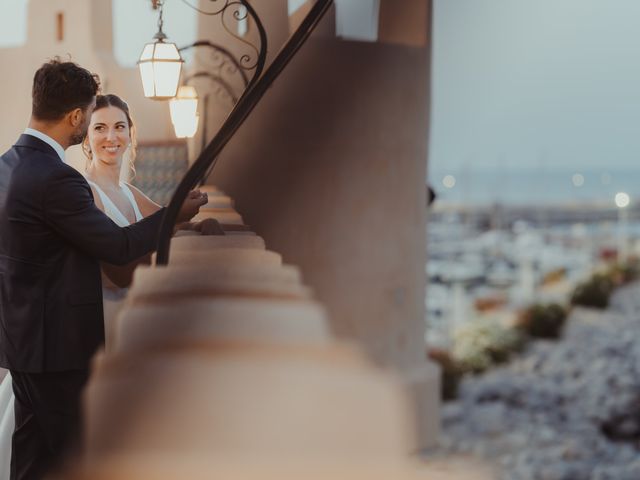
x,y
184,112
160,66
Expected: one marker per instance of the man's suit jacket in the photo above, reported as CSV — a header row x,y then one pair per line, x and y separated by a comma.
x,y
52,237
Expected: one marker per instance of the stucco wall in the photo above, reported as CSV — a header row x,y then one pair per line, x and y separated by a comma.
x,y
330,169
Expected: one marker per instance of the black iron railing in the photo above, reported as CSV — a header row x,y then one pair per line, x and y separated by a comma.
x,y
247,102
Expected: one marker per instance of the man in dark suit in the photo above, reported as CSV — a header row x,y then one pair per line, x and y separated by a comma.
x,y
52,238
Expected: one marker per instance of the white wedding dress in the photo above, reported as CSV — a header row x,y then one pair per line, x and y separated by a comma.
x,y
6,425
112,300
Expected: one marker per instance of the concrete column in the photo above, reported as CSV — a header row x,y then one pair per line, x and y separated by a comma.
x,y
330,169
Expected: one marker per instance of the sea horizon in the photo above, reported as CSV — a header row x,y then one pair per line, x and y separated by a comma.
x,y
530,186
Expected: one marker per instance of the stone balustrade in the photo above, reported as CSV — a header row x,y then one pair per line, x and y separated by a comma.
x,y
224,364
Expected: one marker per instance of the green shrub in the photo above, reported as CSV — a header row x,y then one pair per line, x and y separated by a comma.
x,y
543,321
594,292
451,373
622,273
484,342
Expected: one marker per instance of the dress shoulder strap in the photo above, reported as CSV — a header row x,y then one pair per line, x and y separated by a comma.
x,y
110,208
127,191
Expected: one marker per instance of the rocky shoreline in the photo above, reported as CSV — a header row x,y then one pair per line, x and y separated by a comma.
x,y
563,410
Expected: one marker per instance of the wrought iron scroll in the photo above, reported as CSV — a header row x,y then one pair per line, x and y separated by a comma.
x,y
223,89
236,118
222,70
236,11
223,62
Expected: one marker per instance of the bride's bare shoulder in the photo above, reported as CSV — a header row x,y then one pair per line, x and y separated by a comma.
x,y
145,204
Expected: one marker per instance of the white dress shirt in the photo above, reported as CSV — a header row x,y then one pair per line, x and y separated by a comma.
x,y
47,139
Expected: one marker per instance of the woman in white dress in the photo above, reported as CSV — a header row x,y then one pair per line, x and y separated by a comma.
x,y
110,139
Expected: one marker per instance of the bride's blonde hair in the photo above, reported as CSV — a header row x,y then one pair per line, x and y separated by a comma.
x,y
111,100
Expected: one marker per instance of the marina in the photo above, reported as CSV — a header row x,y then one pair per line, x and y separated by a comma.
x,y
499,260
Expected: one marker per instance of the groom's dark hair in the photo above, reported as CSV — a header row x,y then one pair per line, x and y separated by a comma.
x,y
59,87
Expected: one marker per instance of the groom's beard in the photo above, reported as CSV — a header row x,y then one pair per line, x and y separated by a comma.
x,y
77,138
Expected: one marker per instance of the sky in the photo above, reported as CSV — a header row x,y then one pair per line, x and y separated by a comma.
x,y
515,83
535,83
135,23
13,29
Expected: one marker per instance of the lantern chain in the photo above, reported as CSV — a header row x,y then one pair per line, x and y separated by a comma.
x,y
160,35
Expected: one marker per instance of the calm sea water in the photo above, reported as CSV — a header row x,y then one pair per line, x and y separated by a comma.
x,y
520,186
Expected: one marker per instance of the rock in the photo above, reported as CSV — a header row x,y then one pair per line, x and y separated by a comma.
x,y
562,410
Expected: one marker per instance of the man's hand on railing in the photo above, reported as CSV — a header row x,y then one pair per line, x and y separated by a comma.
x,y
191,205
208,226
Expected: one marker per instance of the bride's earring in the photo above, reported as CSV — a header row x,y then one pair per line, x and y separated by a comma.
x,y
86,149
